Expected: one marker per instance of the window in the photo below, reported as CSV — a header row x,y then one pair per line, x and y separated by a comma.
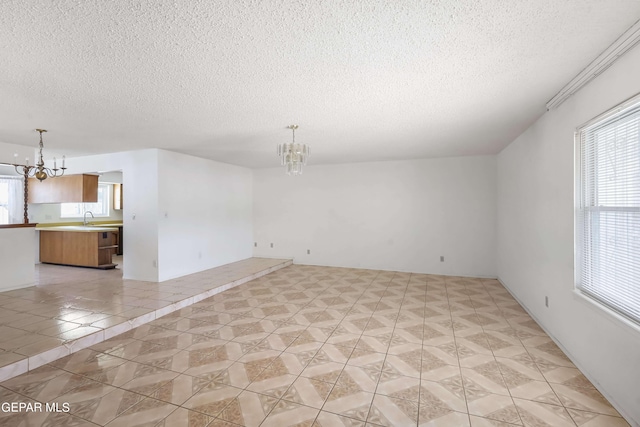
x,y
608,214
4,203
11,200
100,208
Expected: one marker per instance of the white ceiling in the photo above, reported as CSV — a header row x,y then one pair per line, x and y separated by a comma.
x,y
365,80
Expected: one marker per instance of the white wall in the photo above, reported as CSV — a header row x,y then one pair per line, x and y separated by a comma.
x,y
535,238
396,215
140,214
205,214
17,246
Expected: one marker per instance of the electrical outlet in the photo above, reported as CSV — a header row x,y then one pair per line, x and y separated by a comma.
x,y
308,251
255,244
546,301
441,258
271,244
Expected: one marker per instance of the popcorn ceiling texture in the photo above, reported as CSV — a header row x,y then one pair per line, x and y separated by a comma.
x,y
365,80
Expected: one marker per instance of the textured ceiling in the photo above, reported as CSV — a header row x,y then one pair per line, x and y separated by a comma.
x,y
365,80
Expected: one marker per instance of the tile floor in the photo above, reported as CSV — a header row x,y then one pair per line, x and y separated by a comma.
x,y
327,347
72,308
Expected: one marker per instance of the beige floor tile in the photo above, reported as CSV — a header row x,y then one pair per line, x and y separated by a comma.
x,y
182,417
400,387
286,413
494,406
571,377
542,414
9,357
441,416
483,376
88,362
487,422
99,403
408,363
349,401
361,357
584,399
212,398
308,391
592,419
143,413
329,419
391,412
327,371
248,408
365,378
304,345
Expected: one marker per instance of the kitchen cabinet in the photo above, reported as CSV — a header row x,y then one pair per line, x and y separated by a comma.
x,y
86,247
64,189
117,241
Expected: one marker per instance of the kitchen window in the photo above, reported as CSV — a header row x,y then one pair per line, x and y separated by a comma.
x,y
608,210
11,200
4,203
100,208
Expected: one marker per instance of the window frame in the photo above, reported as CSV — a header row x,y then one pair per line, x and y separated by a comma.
x,y
579,194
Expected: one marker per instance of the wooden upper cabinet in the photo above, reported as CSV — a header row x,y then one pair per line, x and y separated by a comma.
x,y
64,189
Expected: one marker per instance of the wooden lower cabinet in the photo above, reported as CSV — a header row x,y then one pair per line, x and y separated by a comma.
x,y
51,250
116,243
84,249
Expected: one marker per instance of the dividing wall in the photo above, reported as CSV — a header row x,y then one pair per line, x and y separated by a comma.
x,y
182,214
204,214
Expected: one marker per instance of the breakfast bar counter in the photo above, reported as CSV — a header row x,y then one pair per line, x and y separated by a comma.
x,y
82,246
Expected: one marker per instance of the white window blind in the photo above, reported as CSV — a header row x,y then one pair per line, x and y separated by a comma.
x,y
11,200
608,223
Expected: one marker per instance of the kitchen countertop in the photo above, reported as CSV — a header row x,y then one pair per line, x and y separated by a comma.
x,y
80,228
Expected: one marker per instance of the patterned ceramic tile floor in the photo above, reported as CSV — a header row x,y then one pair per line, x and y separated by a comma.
x,y
72,308
319,346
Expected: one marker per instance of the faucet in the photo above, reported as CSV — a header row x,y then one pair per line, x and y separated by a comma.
x,y
85,217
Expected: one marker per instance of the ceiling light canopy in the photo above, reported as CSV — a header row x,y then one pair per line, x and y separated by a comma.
x,y
293,156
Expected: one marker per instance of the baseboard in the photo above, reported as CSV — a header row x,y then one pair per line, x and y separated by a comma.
x,y
586,373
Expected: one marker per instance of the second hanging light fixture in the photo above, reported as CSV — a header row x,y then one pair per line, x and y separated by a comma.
x,y
294,155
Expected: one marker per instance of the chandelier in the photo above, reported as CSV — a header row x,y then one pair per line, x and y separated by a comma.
x,y
39,171
293,156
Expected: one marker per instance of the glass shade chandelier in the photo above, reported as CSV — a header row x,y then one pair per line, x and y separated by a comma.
x,y
39,171
293,156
